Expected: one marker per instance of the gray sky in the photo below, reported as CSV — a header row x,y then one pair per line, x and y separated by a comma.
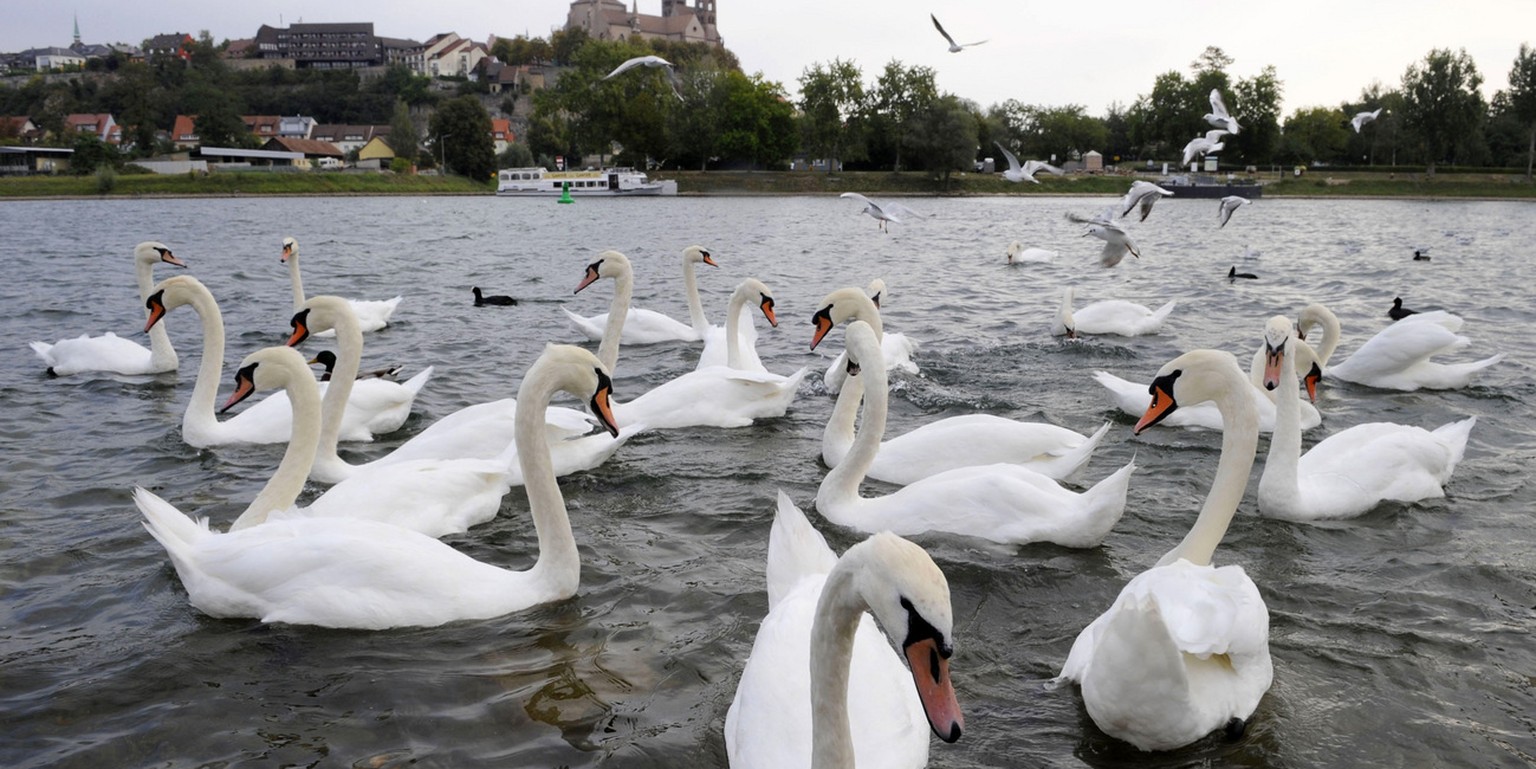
x,y
1051,53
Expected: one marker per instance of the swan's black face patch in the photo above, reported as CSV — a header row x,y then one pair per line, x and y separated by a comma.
x,y
156,306
602,408
822,320
1163,402
920,629
300,324
591,276
767,306
245,384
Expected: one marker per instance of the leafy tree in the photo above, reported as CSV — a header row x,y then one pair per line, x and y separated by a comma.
x,y
91,154
695,125
944,136
1259,98
832,102
564,44
218,122
901,93
516,155
1315,133
1442,107
461,130
1064,132
403,138
1521,97
1117,130
1164,120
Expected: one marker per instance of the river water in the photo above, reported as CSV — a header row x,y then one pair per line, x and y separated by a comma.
x,y
1400,638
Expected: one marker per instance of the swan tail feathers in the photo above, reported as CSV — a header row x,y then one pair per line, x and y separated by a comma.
x,y
415,383
1163,312
1103,504
1068,462
795,550
1454,435
43,350
173,529
1130,397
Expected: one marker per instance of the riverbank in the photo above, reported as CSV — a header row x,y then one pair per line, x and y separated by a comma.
x,y
1320,183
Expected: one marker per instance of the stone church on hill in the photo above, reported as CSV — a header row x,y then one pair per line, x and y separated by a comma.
x,y
610,20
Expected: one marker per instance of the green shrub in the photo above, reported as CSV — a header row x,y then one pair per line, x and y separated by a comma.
x,y
106,179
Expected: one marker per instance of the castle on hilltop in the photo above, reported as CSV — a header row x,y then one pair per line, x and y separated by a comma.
x,y
610,20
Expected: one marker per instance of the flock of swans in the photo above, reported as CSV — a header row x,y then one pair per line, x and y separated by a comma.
x,y
1180,653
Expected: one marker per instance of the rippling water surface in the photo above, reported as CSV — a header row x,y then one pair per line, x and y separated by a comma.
x,y
1401,638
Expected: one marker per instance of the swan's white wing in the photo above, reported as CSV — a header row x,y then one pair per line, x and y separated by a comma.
x,y
796,550
108,352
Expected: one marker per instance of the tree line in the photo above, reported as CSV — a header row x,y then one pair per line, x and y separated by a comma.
x,y
705,112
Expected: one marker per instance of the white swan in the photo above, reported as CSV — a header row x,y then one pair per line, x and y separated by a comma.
x,y
1351,471
1111,316
372,315
959,441
373,405
110,352
648,326
482,432
717,352
1398,357
268,421
1184,648
348,573
1005,503
822,687
896,347
719,396
1018,254
1133,398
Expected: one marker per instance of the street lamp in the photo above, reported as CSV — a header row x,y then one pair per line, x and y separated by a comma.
x,y
442,153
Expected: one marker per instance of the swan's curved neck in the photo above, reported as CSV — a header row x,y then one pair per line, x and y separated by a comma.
x,y
161,354
349,358
1330,341
695,305
1280,464
559,564
841,485
298,283
837,438
199,418
283,488
1239,444
838,613
732,328
608,349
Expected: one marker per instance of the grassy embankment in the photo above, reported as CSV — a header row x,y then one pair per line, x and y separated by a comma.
x,y
1321,183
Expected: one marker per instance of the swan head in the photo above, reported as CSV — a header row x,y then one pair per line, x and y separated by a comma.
x,y
698,254
267,369
609,264
576,371
318,315
876,291
841,306
1277,334
169,294
909,597
290,249
752,286
1013,250
1064,323
1194,377
153,251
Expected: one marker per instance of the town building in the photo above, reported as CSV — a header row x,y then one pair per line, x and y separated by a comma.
x,y
322,46
176,44
102,126
678,22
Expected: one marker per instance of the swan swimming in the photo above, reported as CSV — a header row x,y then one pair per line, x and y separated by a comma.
x,y
109,352
372,315
1184,649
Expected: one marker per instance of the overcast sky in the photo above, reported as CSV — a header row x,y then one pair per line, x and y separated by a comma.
x,y
1050,53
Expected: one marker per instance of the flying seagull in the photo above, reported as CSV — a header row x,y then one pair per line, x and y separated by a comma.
x,y
1201,145
1229,204
1116,243
638,61
953,46
881,212
1024,173
1361,118
1142,194
1219,117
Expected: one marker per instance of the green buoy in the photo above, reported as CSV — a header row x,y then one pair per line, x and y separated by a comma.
x,y
565,193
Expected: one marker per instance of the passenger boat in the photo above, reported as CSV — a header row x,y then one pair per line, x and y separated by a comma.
x,y
608,182
1205,186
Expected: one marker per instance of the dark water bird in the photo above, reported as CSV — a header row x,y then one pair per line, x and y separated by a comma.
x,y
1233,274
1398,311
498,299
327,359
1419,255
